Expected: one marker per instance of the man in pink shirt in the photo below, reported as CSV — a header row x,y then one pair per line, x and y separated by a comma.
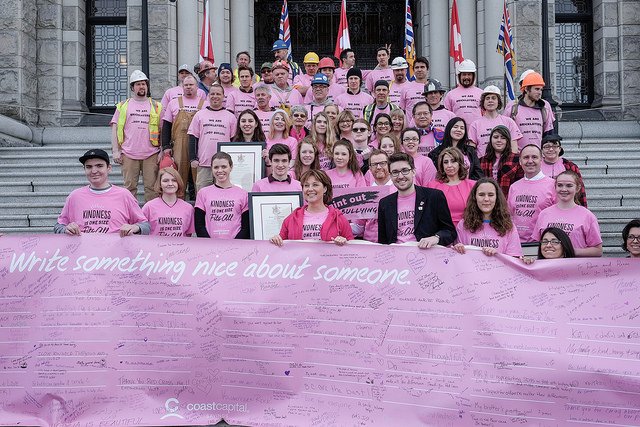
x,y
382,71
381,102
347,61
209,126
243,98
100,207
207,73
302,82
430,136
377,176
532,114
264,111
266,74
399,66
320,98
279,180
135,137
327,67
464,100
530,195
354,99
174,92
283,95
433,92
414,90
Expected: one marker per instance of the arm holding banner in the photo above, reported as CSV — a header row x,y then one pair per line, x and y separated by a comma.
x,y
200,223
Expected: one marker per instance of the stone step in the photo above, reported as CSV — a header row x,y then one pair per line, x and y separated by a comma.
x,y
609,158
612,169
614,225
27,230
613,200
43,186
28,220
37,208
620,212
592,179
594,188
31,199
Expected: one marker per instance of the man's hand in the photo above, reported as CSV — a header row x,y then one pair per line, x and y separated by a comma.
x,y
428,242
129,229
72,229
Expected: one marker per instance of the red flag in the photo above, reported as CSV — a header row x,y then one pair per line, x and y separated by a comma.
x,y
455,38
206,47
343,41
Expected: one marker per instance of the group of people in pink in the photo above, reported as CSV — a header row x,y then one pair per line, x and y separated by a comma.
x,y
461,170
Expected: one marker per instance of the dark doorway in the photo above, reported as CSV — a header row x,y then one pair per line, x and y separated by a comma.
x,y
314,26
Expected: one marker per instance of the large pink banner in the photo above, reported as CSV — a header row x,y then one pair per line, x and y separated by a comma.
x,y
103,331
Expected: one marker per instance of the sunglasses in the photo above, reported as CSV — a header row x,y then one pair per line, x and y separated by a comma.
x,y
358,130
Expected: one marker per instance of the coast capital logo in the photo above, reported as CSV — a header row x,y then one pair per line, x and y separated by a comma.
x,y
172,405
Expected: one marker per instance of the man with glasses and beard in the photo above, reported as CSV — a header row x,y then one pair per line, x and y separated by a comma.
x,y
414,213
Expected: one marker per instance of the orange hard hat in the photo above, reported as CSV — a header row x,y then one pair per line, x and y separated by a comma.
x,y
532,79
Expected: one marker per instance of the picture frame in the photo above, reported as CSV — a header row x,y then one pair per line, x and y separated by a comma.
x,y
268,210
248,166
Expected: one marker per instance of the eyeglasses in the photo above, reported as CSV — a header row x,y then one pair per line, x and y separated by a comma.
x,y
404,172
358,130
383,124
633,238
422,114
552,242
379,164
299,115
550,146
414,139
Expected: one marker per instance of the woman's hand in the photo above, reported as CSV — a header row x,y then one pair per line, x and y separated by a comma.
x,y
489,251
339,240
459,247
277,240
129,230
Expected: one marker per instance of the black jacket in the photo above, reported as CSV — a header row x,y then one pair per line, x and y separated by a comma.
x,y
431,216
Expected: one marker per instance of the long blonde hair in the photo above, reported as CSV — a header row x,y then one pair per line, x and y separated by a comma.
x,y
329,137
287,124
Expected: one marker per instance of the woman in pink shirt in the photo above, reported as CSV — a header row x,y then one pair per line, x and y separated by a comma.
x,y
323,137
381,127
317,219
486,222
299,118
577,221
279,128
248,128
332,111
398,122
168,214
424,167
631,238
345,125
452,180
347,173
554,244
390,145
306,159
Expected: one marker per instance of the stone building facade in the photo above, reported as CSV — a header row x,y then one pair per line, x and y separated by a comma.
x,y
60,59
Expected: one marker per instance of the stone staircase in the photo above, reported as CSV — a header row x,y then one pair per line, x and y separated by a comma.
x,y
37,179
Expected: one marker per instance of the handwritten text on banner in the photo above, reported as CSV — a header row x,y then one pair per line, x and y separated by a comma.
x,y
101,331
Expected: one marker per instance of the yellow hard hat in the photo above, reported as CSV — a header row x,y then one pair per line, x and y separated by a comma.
x,y
311,58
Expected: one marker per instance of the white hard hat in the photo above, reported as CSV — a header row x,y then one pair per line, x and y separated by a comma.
x,y
492,89
525,74
137,76
466,66
399,63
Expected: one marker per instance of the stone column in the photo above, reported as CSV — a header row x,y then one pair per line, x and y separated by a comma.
x,y
219,18
240,31
18,71
527,24
467,14
493,63
74,61
630,44
49,61
188,24
438,40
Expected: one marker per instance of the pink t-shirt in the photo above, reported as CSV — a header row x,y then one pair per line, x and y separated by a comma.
x,y
480,130
440,118
101,212
136,144
189,104
325,161
223,208
406,212
312,224
370,232
425,170
211,127
529,121
288,98
165,220
578,222
340,76
456,196
174,92
346,180
554,169
375,75
302,80
427,143
265,119
527,198
464,102
228,91
411,95
487,236
239,101
354,103
266,186
289,142
396,90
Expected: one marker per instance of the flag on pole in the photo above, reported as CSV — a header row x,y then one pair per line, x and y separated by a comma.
x,y
206,47
343,41
455,38
409,43
285,34
507,50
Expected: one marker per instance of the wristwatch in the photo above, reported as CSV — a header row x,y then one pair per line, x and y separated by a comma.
x,y
436,235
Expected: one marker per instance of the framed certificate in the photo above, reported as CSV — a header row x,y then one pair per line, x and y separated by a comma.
x,y
267,212
248,166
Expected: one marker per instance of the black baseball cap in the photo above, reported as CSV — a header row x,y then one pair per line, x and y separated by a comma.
x,y
95,154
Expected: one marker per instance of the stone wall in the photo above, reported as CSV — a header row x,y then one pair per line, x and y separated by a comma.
x,y
629,14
